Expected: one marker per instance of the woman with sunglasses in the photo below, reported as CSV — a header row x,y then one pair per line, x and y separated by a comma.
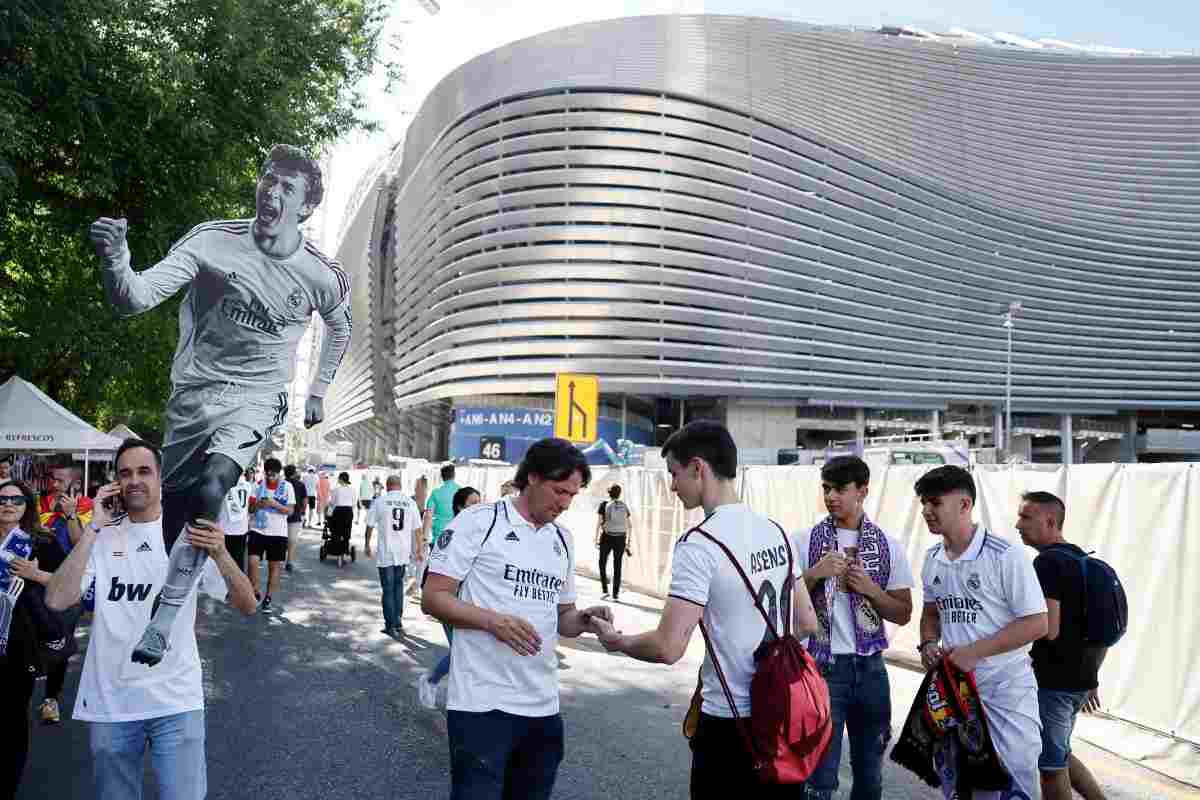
x,y
20,663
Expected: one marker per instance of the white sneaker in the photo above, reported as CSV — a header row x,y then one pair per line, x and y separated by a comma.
x,y
427,692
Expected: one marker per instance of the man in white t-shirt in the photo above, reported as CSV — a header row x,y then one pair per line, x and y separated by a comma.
x,y
129,705
706,586
857,577
984,607
235,517
274,500
396,516
503,575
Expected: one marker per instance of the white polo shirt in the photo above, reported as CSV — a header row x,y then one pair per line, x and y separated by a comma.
x,y
702,573
129,564
507,565
396,516
991,584
235,513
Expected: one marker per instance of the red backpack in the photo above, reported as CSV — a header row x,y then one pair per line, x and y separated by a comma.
x,y
790,722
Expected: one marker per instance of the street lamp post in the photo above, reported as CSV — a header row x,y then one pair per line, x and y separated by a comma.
x,y
1013,309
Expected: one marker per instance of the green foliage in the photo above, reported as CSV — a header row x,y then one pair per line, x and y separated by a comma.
x,y
159,111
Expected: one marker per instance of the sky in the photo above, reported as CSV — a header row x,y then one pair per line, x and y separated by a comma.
x,y
433,46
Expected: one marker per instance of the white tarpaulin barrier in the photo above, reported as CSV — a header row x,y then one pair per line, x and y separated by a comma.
x,y
1144,519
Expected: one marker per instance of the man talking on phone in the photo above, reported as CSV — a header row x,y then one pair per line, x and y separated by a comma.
x,y
127,705
251,287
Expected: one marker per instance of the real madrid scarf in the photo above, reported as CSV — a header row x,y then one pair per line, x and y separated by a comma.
x,y
869,634
945,740
17,544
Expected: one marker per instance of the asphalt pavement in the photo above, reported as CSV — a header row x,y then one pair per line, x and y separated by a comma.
x,y
313,701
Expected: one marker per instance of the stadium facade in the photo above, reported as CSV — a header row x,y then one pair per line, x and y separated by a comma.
x,y
811,233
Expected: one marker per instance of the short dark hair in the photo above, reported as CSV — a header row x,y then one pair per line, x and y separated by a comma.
x,y
459,501
7,458
706,440
552,460
293,159
1050,501
272,465
344,477
289,471
944,480
133,443
448,472
841,471
614,491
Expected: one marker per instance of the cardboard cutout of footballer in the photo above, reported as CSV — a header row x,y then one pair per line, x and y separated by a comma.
x,y
251,287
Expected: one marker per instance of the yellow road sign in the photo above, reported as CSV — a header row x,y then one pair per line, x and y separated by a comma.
x,y
577,408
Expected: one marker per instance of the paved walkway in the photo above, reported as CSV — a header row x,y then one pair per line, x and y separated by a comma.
x,y
313,701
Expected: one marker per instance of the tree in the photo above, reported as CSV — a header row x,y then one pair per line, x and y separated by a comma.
x,y
159,111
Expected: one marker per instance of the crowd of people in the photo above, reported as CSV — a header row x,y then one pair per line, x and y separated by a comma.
x,y
500,576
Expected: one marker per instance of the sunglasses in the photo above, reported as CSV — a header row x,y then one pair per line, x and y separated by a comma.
x,y
12,500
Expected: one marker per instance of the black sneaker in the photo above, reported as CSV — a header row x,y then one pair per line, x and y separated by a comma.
x,y
266,604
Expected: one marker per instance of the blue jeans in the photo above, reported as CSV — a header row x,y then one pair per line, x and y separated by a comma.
x,y
860,700
495,755
443,667
1058,711
176,755
391,580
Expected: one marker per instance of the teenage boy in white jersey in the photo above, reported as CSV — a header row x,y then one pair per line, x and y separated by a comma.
x,y
129,706
983,609
705,585
396,516
503,575
235,517
857,576
252,287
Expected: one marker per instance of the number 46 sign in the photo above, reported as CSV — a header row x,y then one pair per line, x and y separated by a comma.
x,y
491,447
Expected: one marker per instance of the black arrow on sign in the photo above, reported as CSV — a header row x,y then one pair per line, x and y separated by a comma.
x,y
572,407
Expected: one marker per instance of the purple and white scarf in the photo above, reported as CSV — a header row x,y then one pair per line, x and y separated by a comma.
x,y
869,634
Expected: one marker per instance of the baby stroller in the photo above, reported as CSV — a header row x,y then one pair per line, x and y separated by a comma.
x,y
335,539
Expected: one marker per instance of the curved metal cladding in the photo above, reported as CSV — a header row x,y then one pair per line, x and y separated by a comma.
x,y
354,409
755,208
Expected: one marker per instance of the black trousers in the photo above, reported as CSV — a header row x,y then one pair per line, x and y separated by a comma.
x,y
610,543
55,678
236,545
721,765
17,681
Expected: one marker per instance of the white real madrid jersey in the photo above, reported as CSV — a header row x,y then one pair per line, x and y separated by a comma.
x,y
129,564
987,587
508,565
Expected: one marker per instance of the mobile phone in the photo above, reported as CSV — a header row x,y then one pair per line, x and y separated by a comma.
x,y
114,505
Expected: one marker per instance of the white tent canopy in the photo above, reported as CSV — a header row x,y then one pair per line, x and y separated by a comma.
x,y
123,432
30,420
